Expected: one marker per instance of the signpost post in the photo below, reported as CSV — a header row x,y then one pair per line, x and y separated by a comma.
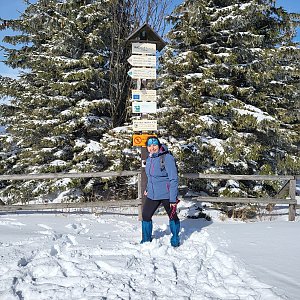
x,y
145,42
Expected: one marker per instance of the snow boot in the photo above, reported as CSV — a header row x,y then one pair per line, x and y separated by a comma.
x,y
175,227
146,231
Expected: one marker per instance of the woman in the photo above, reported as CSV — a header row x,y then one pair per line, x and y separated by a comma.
x,y
162,187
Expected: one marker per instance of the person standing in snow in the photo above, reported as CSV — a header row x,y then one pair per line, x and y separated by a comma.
x,y
162,188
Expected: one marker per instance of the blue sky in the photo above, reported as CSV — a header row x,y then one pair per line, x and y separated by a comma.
x,y
12,9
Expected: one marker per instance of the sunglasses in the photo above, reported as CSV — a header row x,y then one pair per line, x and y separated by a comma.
x,y
152,141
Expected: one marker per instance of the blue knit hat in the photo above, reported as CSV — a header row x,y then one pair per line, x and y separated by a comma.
x,y
153,140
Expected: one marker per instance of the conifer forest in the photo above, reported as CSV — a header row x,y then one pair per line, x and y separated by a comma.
x,y
228,86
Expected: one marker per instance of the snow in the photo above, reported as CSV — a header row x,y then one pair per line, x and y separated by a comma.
x,y
58,162
217,144
84,255
93,146
255,112
208,119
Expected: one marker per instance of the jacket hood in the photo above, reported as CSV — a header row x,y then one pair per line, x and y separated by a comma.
x,y
162,150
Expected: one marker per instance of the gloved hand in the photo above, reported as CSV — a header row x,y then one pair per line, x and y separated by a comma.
x,y
173,209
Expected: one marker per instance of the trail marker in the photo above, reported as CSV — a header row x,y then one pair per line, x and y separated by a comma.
x,y
143,95
142,61
142,73
143,107
143,48
144,125
140,139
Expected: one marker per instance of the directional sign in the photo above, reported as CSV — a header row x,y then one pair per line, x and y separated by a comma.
x,y
143,107
142,73
143,95
144,125
143,48
140,139
142,60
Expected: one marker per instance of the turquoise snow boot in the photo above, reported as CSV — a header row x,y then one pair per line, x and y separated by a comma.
x,y
146,231
175,227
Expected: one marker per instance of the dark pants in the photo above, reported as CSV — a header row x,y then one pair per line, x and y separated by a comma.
x,y
150,206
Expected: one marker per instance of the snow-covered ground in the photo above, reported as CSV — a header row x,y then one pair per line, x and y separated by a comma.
x,y
98,256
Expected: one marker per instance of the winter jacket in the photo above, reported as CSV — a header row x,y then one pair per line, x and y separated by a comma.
x,y
162,183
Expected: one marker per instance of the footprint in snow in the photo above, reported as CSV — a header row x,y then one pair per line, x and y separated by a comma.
x,y
79,228
44,226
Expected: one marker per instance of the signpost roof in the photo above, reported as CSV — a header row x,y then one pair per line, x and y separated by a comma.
x,y
146,34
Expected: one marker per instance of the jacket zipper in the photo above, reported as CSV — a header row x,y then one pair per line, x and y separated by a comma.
x,y
151,169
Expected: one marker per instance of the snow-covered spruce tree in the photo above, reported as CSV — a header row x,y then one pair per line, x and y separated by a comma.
x,y
230,90
61,98
117,142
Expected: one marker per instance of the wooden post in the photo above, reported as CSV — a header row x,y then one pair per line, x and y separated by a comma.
x,y
140,197
292,193
143,179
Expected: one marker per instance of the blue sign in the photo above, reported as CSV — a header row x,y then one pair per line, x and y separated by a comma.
x,y
136,97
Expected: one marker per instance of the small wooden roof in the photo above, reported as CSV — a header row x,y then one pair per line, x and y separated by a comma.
x,y
147,34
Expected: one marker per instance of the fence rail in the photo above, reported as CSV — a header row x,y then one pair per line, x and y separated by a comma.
x,y
289,188
67,175
68,205
238,177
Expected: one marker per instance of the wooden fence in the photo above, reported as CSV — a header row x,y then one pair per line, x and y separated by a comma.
x,y
289,189
287,195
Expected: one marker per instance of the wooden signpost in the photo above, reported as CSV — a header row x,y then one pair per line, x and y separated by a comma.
x,y
145,42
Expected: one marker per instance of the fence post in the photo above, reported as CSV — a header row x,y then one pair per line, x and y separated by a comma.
x,y
292,194
140,196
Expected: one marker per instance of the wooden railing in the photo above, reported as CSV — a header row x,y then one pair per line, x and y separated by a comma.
x,y
289,188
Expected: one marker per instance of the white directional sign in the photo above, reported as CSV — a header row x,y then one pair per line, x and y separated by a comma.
x,y
144,125
142,73
143,107
142,60
143,95
143,48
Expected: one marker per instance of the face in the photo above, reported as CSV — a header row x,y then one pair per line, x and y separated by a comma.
x,y
152,145
152,149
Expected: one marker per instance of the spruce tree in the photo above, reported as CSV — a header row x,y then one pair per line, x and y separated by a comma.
x,y
74,88
61,98
230,88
